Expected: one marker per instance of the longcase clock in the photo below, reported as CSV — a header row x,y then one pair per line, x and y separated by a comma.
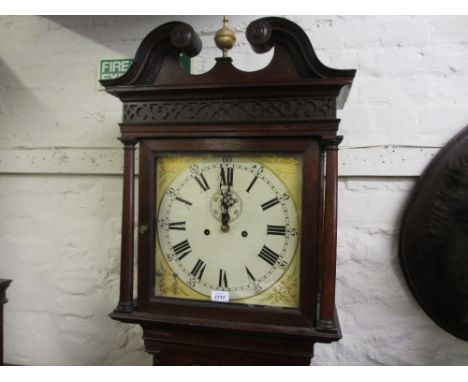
x,y
237,199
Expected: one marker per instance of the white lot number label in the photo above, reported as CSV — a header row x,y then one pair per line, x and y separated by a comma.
x,y
219,296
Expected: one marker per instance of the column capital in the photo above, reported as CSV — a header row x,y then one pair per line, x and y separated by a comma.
x,y
331,143
4,284
129,143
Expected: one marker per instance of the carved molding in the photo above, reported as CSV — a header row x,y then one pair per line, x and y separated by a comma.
x,y
268,32
230,110
168,39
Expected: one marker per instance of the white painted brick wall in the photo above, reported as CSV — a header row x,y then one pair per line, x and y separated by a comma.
x,y
60,178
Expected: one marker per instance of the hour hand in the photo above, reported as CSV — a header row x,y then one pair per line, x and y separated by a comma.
x,y
225,218
224,214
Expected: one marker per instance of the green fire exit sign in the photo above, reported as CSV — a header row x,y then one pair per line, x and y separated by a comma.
x,y
113,68
117,67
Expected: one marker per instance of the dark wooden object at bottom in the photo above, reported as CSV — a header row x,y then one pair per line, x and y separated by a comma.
x,y
182,355
4,284
190,342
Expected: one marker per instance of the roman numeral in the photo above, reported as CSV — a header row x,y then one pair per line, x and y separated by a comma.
x,y
179,226
270,203
250,275
227,180
184,201
222,279
251,183
202,182
268,255
198,269
276,230
182,249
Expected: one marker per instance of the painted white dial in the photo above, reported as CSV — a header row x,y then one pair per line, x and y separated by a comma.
x,y
228,224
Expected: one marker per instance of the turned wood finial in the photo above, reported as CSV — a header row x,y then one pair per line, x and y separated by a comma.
x,y
225,37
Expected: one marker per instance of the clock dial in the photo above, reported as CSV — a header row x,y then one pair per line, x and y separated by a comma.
x,y
228,224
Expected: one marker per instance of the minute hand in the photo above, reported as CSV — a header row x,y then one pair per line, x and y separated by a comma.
x,y
224,212
225,199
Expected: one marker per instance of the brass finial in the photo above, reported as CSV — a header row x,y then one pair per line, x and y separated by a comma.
x,y
225,37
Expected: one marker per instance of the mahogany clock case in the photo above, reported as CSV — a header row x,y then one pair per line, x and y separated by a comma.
x,y
287,107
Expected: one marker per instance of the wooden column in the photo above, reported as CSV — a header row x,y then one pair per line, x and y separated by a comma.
x,y
126,304
4,284
327,294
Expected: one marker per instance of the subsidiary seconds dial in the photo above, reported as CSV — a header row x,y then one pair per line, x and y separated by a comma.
x,y
228,224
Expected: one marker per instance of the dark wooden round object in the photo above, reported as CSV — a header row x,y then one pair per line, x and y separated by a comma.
x,y
433,246
184,38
